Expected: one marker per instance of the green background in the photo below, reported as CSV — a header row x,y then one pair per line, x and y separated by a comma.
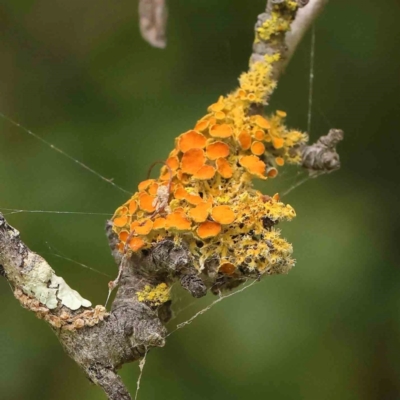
x,y
78,74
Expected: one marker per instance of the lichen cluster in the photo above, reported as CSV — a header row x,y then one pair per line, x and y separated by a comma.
x,y
154,296
204,195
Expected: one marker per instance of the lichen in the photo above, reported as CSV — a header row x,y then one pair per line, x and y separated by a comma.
x,y
40,281
154,296
65,320
204,195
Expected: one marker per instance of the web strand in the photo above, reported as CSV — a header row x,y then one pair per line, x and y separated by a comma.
x,y
311,80
56,253
58,150
141,367
204,310
11,211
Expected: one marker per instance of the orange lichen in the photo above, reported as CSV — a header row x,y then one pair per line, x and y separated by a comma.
x,y
262,122
159,223
253,165
132,206
245,140
279,161
193,199
205,172
123,235
178,221
180,193
218,106
227,268
146,202
192,161
152,189
223,214
272,172
208,229
202,125
145,184
204,196
224,168
136,243
120,222
200,212
191,140
277,142
257,148
142,227
220,115
217,150
221,130
173,163
259,135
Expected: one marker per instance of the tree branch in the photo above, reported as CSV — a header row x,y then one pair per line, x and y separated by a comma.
x,y
303,21
214,230
98,341
292,25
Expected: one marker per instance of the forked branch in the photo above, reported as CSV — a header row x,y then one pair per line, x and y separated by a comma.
x,y
204,248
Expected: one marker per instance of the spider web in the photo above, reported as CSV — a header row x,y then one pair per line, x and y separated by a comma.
x,y
289,180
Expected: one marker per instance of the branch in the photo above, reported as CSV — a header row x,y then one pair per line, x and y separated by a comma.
x,y
200,223
280,29
98,341
304,20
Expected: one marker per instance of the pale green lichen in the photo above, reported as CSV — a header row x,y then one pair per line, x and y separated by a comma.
x,y
39,281
69,297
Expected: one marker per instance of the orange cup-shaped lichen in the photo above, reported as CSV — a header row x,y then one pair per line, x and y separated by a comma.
x,y
223,214
173,163
262,122
221,130
142,227
254,166
224,168
217,150
132,206
200,212
205,172
119,222
245,140
227,268
257,148
277,142
191,140
279,161
146,202
159,223
136,243
123,235
259,135
202,125
192,161
177,220
208,229
145,184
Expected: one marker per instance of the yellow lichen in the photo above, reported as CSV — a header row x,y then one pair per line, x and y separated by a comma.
x,y
155,296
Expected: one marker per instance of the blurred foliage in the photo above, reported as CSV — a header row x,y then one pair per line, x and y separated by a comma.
x,y
78,74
